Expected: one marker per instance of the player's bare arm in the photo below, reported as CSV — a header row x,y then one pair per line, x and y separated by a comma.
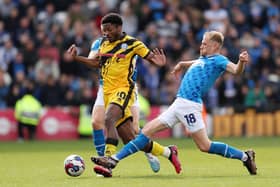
x,y
157,57
238,68
182,65
92,61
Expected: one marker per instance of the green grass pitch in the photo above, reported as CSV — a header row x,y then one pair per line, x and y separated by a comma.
x,y
41,164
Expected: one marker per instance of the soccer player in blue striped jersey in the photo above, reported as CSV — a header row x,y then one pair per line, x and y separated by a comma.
x,y
98,115
187,107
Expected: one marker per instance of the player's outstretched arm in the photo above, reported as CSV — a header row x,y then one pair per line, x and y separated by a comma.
x,y
90,62
238,68
157,57
182,65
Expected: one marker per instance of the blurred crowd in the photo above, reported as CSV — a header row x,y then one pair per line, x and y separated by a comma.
x,y
35,34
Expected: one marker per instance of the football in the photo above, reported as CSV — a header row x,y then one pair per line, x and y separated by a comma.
x,y
74,165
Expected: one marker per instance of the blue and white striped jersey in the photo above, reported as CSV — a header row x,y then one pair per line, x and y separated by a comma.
x,y
201,76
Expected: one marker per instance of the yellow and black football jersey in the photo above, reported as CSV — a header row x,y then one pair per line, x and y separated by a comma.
x,y
118,63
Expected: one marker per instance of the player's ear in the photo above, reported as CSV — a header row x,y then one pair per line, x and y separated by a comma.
x,y
217,45
119,27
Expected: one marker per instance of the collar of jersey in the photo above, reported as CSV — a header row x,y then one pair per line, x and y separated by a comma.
x,y
208,56
122,37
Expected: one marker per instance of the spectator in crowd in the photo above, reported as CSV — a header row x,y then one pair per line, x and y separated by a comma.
x,y
8,53
6,7
48,66
169,26
228,90
216,16
50,94
12,21
4,88
130,21
4,35
27,113
14,95
17,65
47,50
255,98
30,56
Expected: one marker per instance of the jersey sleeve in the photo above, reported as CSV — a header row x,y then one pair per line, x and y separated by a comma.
x,y
141,49
223,61
95,45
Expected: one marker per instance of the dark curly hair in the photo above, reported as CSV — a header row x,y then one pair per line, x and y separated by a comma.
x,y
112,18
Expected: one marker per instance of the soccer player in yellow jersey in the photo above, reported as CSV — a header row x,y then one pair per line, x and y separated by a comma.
x,y
115,60
98,115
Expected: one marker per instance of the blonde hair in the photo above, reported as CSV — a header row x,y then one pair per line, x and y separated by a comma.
x,y
215,36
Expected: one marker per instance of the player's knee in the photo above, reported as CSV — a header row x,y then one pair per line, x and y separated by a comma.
x,y
110,120
97,126
97,123
203,148
136,130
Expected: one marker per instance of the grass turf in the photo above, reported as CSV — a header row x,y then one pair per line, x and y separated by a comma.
x,y
41,164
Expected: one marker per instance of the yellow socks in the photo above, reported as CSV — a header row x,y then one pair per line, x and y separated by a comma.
x,y
110,149
157,149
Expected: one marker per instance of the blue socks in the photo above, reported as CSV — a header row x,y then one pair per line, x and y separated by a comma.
x,y
133,146
98,139
225,150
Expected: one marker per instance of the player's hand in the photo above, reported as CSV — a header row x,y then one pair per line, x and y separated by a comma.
x,y
159,57
177,71
244,57
72,50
